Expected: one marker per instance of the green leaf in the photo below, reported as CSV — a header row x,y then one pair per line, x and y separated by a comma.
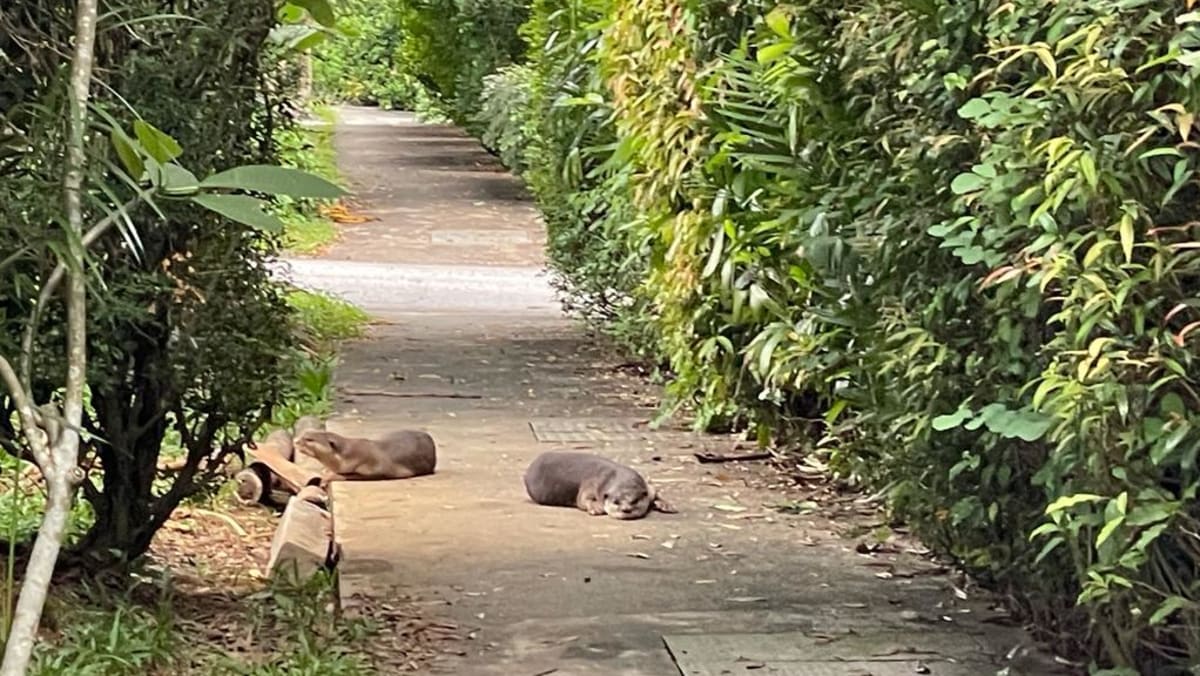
x,y
779,23
1126,229
128,155
965,183
774,51
951,420
974,109
1109,528
1052,544
768,350
1087,167
1068,501
1168,608
290,13
1155,512
320,10
1172,404
241,208
178,181
156,143
1025,425
274,181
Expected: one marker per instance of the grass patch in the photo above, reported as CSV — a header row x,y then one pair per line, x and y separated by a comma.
x,y
152,628
322,322
310,149
325,319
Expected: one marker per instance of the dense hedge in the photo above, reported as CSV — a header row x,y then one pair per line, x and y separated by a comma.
x,y
951,245
188,334
425,55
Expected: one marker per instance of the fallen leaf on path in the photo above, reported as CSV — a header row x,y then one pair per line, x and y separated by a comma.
x,y
638,555
705,582
746,599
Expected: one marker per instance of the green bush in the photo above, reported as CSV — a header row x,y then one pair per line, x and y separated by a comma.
x,y
949,244
430,56
363,66
189,336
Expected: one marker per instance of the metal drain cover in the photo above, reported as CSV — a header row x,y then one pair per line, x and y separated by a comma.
x,y
796,654
582,430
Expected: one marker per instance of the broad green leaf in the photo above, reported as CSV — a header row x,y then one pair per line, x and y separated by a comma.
x,y
966,182
290,13
975,108
1069,501
1154,512
178,181
320,10
128,155
274,180
241,208
951,420
156,143
1172,404
777,20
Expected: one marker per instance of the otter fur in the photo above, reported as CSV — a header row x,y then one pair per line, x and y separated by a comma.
x,y
592,483
399,455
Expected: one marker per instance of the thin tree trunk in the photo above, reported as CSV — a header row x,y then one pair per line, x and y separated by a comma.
x,y
62,473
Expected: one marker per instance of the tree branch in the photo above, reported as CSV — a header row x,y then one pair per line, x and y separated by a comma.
x,y
28,415
63,474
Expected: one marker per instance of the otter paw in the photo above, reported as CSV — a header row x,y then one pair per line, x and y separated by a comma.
x,y
663,506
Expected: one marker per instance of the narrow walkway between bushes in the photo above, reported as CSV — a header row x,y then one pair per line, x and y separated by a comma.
x,y
470,345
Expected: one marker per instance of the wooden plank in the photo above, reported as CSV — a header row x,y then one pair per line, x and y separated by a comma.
x,y
292,476
302,541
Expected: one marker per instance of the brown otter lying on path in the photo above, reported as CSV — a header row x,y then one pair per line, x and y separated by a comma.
x,y
594,484
399,455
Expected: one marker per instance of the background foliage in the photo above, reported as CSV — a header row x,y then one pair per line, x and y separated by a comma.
x,y
425,55
191,341
950,245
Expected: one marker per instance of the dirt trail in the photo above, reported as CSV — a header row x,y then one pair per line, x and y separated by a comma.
x,y
471,347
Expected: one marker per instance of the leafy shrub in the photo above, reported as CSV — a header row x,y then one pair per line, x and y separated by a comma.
x,y
363,65
187,332
430,56
503,119
948,243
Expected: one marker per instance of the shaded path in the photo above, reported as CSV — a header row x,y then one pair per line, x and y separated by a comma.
x,y
479,355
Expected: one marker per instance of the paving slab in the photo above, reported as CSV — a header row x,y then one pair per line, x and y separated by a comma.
x,y
471,347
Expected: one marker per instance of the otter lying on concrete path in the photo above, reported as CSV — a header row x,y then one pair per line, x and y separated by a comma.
x,y
594,484
399,455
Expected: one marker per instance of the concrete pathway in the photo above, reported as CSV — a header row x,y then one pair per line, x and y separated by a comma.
x,y
471,347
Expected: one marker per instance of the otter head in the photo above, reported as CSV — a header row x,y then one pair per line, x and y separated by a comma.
x,y
630,501
318,444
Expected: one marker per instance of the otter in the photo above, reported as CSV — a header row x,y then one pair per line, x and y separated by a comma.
x,y
594,484
306,423
399,455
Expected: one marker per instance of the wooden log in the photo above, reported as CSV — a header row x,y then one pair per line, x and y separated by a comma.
x,y
252,484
